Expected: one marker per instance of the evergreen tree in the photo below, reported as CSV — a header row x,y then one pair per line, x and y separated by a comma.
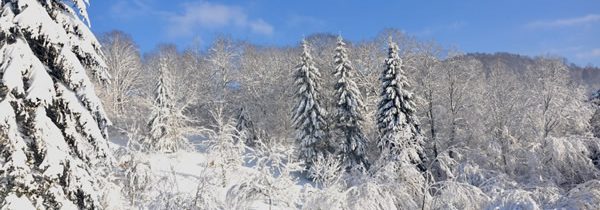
x,y
166,122
595,121
595,99
309,117
53,148
348,116
396,117
245,128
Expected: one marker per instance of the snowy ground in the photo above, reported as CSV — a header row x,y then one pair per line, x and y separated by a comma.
x,y
186,169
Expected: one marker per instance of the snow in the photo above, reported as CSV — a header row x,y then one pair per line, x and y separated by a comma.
x,y
18,60
190,168
56,151
14,202
187,166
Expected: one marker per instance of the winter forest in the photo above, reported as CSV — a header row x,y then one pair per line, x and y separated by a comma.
x,y
88,121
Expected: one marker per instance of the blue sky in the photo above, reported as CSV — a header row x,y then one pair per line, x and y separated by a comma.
x,y
569,28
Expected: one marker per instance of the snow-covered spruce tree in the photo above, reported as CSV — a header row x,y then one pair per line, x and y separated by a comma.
x,y
167,122
396,118
245,127
53,148
309,117
348,116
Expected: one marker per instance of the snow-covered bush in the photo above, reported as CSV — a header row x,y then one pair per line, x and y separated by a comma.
x,y
514,199
568,160
373,195
224,145
273,183
546,196
166,194
206,196
489,181
331,197
325,171
138,179
583,196
112,196
457,195
403,180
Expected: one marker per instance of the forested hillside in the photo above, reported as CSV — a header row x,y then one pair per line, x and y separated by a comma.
x,y
388,122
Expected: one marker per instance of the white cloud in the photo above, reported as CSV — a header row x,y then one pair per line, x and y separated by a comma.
x,y
205,15
587,19
593,53
128,10
262,27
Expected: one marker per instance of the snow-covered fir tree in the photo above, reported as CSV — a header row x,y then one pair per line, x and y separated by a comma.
x,y
396,118
347,117
167,122
53,147
245,127
308,116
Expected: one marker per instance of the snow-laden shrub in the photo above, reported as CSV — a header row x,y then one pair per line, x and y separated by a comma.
x,y
206,197
173,200
330,191
113,198
390,185
138,179
224,145
325,171
442,167
567,160
514,199
273,182
165,194
402,179
489,181
546,197
457,195
331,197
373,195
583,196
